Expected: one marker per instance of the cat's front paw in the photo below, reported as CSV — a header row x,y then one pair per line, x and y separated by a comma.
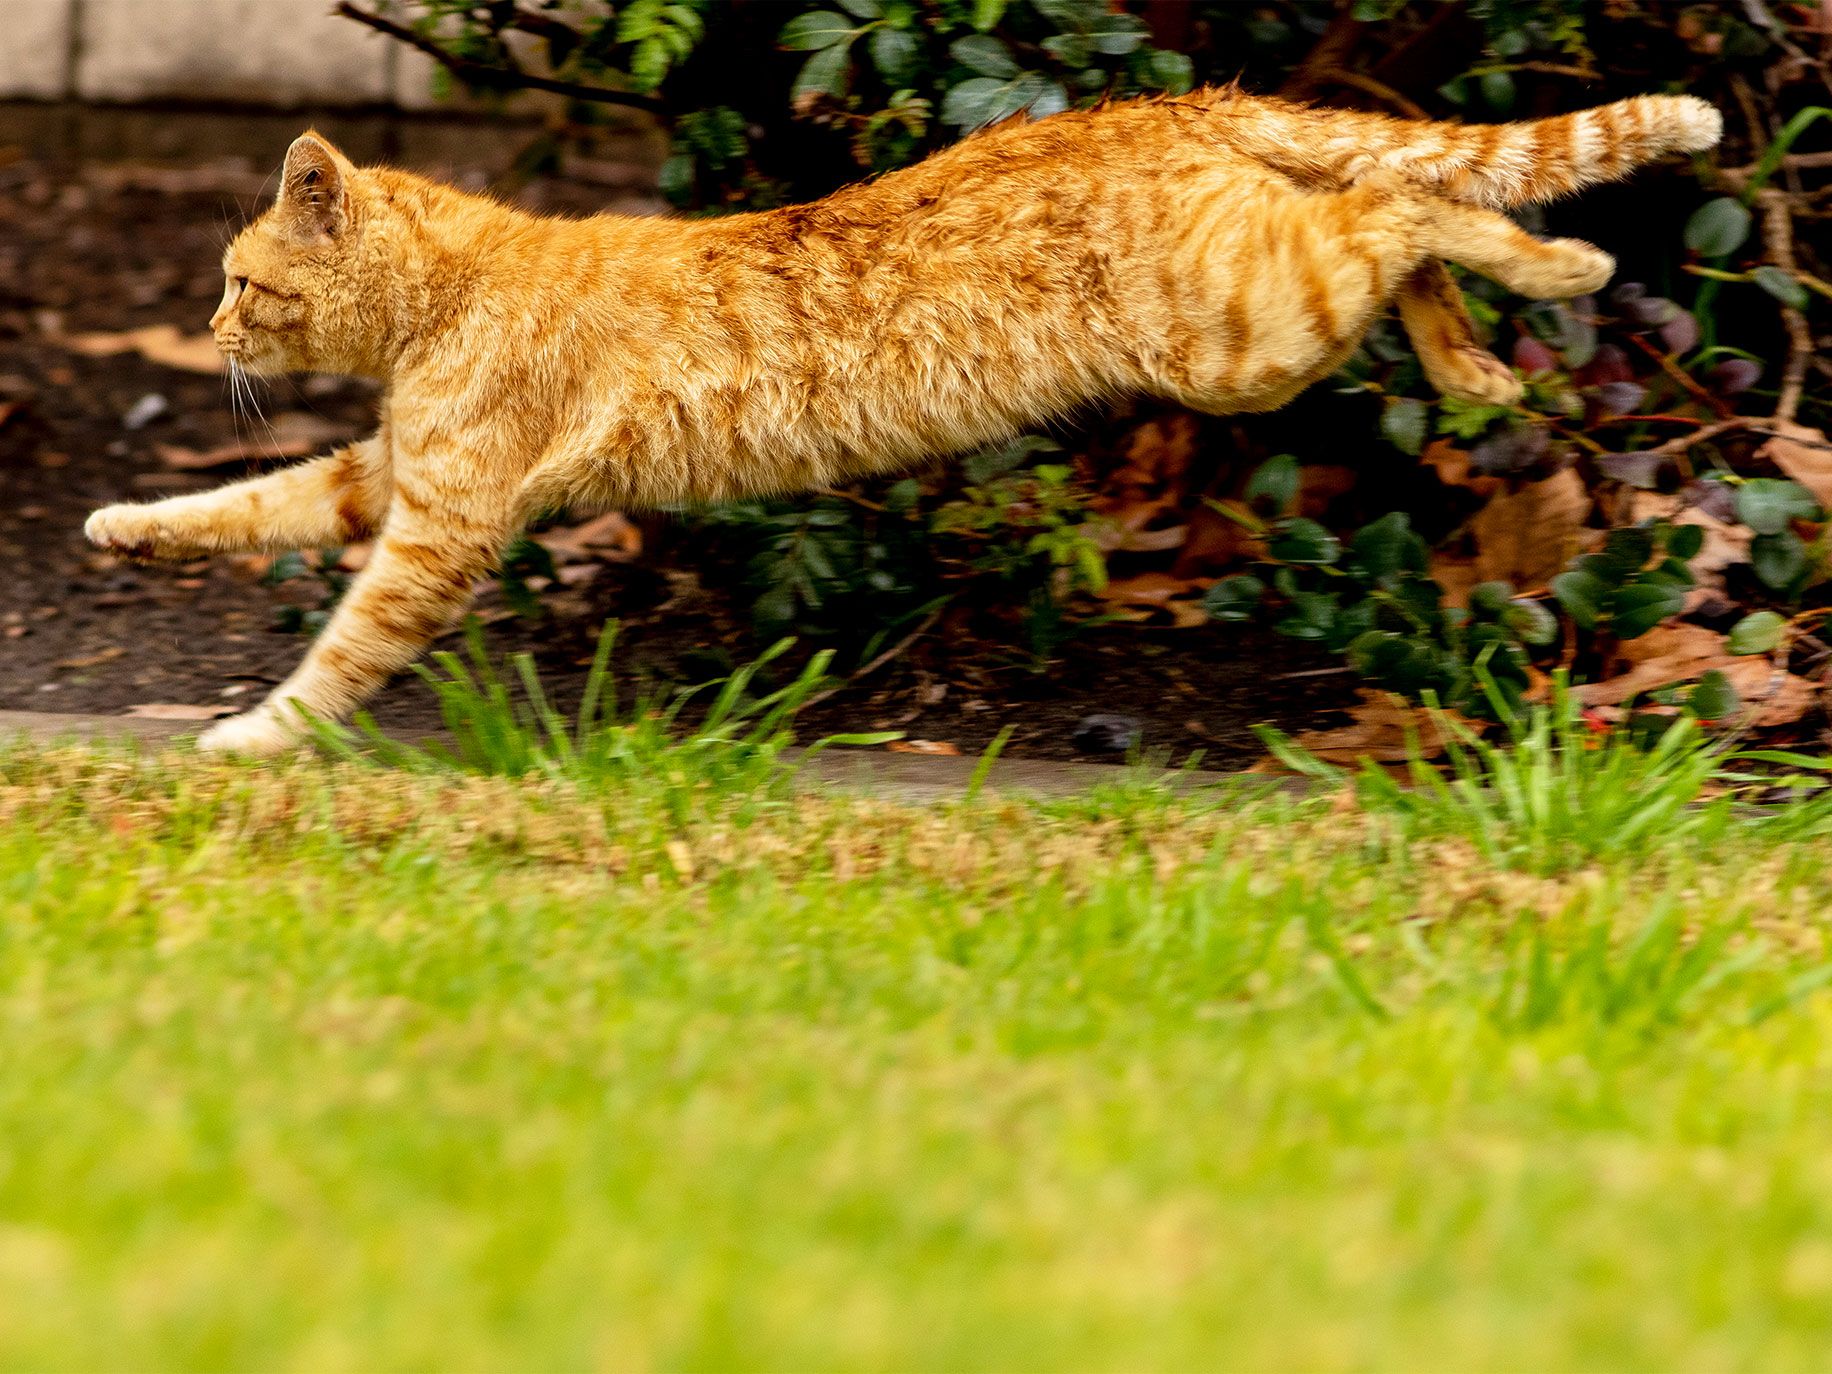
x,y
134,532
259,734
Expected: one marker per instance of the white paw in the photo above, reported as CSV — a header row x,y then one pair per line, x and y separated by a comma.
x,y
132,532
1577,269
259,734
123,530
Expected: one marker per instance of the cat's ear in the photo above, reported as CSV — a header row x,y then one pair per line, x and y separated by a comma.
x,y
314,187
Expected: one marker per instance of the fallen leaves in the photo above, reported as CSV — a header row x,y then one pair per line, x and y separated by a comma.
x,y
612,537
1526,537
1384,728
1155,591
292,434
923,746
165,710
1803,454
157,343
1679,653
95,660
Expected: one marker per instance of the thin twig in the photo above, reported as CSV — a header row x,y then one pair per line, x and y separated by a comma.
x,y
1672,448
923,626
1778,236
1342,76
486,77
1678,375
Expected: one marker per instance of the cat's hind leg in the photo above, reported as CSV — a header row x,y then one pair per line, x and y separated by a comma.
x,y
1492,244
1454,361
326,501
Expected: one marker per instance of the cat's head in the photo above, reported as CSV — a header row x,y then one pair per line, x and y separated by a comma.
x,y
296,295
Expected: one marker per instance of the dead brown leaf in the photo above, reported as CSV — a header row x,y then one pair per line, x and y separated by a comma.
x,y
1673,654
1452,466
1146,589
611,536
1157,453
1456,576
923,746
1322,483
164,710
1213,541
107,655
293,434
158,343
1384,728
1676,642
1525,537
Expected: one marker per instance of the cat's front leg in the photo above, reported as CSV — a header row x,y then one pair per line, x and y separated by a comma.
x,y
416,583
329,500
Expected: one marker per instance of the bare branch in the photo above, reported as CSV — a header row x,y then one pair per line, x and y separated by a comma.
x,y
485,77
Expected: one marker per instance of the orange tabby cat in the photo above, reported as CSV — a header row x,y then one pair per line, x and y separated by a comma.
x,y
1218,249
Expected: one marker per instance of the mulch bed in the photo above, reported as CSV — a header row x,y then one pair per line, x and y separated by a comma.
x,y
87,249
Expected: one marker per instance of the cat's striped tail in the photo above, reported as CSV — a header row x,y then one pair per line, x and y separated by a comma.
x,y
1497,165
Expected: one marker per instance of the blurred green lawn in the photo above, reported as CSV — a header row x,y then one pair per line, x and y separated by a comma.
x,y
322,1067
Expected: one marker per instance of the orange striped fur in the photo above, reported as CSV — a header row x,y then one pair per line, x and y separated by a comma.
x,y
1217,249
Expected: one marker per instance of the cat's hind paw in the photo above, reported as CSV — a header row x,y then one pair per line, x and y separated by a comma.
x,y
1474,375
259,734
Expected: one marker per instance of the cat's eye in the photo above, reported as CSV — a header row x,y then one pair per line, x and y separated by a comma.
x,y
241,283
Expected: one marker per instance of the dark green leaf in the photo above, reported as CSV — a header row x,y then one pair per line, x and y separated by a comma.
x,y
1714,698
1625,551
1273,487
823,74
1759,633
984,54
1718,227
1170,71
1385,547
893,53
1403,422
1769,505
1498,91
1530,622
987,13
675,180
862,9
1641,605
1052,100
1780,560
1582,594
1685,541
1783,286
814,30
1117,34
1490,598
1303,541
974,102
1313,614
1234,598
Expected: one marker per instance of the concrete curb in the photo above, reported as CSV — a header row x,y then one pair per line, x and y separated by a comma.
x,y
872,772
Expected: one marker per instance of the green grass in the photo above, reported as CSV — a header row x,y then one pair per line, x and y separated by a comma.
x,y
323,1066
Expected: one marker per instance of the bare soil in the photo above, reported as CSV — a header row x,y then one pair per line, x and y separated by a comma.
x,y
99,247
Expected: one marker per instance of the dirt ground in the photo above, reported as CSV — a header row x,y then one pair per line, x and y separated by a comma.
x,y
103,247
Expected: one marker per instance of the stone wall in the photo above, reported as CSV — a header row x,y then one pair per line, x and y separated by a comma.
x,y
285,54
